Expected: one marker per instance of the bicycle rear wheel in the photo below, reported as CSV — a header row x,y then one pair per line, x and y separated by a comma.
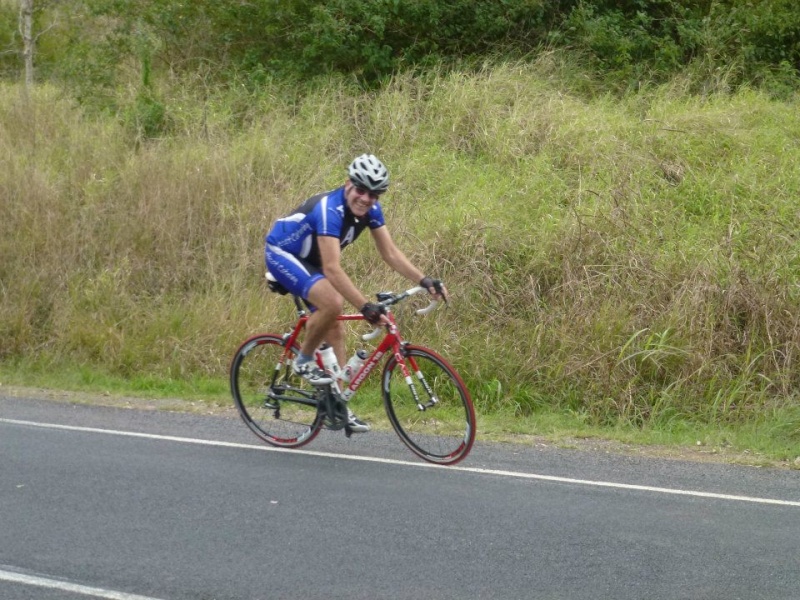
x,y
279,407
432,412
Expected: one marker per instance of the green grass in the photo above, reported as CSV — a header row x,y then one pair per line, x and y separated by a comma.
x,y
213,391
771,442
621,266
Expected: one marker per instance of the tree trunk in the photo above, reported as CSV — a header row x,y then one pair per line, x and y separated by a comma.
x,y
26,31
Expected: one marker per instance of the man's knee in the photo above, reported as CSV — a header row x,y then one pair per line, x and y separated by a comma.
x,y
335,305
326,298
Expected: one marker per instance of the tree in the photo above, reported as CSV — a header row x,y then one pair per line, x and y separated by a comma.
x,y
28,41
29,38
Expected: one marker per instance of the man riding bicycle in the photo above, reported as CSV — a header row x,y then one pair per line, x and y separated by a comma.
x,y
303,252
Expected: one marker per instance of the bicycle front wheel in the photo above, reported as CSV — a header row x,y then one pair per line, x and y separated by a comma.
x,y
431,410
278,406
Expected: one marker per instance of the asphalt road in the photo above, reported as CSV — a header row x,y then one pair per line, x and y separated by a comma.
x,y
139,505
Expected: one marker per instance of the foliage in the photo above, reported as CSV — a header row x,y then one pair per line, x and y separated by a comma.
x,y
627,44
632,40
641,40
10,48
373,40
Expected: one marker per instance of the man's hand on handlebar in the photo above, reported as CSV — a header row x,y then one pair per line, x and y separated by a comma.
x,y
435,288
375,314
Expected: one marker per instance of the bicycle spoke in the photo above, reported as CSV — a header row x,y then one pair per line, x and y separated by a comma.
x,y
277,406
431,410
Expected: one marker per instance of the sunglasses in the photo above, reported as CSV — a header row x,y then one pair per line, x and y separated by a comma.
x,y
362,191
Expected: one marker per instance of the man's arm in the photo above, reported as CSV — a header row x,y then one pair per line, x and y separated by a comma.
x,y
330,252
393,256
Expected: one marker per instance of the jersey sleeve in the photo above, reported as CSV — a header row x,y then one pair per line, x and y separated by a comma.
x,y
376,217
329,218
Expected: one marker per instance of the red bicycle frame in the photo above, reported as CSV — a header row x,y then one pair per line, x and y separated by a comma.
x,y
391,342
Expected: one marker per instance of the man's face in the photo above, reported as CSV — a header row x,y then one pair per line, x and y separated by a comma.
x,y
359,200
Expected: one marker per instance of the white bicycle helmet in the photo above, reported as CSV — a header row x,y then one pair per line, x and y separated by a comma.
x,y
368,172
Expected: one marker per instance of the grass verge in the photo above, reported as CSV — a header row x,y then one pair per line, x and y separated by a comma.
x,y
759,446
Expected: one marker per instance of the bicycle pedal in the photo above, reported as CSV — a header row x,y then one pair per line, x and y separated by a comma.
x,y
335,421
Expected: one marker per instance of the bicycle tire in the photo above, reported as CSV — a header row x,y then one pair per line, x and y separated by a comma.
x,y
276,405
442,433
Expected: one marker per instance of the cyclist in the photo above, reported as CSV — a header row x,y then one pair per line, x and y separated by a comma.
x,y
303,252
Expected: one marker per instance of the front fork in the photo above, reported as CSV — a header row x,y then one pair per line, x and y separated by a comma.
x,y
401,356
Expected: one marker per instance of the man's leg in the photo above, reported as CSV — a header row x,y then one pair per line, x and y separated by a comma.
x,y
307,281
322,325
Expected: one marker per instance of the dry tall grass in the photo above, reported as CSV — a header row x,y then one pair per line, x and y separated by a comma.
x,y
629,258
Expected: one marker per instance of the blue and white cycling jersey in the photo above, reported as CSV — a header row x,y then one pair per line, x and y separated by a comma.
x,y
292,252
324,214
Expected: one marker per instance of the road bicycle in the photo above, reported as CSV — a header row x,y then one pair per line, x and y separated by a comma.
x,y
425,399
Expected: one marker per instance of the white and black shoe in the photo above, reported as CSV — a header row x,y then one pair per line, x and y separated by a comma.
x,y
311,373
356,425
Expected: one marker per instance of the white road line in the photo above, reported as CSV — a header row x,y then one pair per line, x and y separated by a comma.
x,y
516,474
65,586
